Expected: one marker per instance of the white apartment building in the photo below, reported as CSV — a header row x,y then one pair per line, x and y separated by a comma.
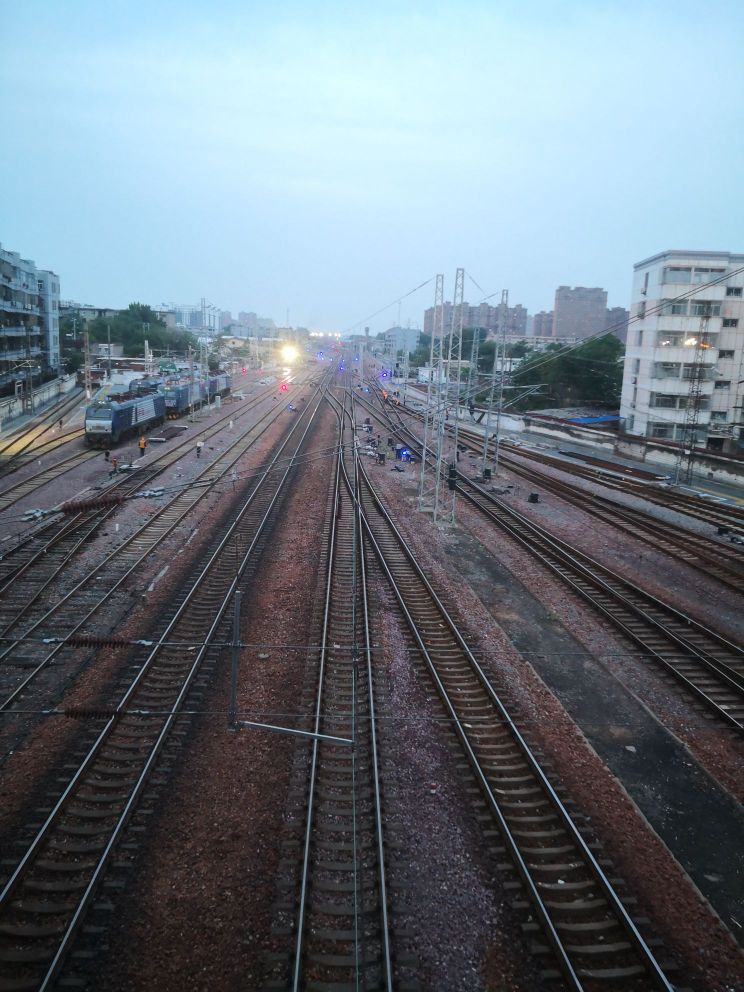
x,y
687,330
29,318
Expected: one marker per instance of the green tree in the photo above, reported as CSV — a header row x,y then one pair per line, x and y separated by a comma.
x,y
131,327
590,374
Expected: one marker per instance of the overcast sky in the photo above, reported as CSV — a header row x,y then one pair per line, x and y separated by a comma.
x,y
326,158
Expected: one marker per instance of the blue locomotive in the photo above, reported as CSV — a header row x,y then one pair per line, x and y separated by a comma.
x,y
110,421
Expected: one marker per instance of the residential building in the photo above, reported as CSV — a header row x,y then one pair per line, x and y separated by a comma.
x,y
617,322
403,339
542,324
685,350
483,316
29,318
579,311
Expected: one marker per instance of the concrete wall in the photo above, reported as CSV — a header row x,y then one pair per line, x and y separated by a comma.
x,y
12,406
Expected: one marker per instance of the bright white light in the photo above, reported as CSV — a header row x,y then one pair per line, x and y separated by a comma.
x,y
289,353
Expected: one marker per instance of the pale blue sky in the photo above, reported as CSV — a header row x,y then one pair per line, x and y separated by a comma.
x,y
326,158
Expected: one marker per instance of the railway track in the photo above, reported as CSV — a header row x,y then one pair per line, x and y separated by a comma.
x,y
17,443
39,543
47,896
714,514
721,561
716,558
341,932
13,494
705,664
33,632
582,924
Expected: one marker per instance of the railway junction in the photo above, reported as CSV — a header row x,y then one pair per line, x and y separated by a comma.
x,y
264,724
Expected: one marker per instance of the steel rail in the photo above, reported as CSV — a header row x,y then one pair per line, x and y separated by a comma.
x,y
603,580
32,431
541,906
330,695
223,557
182,504
353,490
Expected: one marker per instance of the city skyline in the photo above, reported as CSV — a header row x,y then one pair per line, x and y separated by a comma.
x,y
285,158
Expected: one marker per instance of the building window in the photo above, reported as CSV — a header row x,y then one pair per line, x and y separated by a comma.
x,y
669,402
40,284
706,275
640,337
675,274
733,291
718,416
669,340
668,370
641,312
726,353
629,422
660,430
705,308
671,308
730,321
723,384
636,366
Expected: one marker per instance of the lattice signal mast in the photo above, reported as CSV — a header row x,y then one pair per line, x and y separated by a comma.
x,y
453,371
431,459
697,373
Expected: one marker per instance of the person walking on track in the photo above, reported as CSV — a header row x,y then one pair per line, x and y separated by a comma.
x,y
198,448
142,445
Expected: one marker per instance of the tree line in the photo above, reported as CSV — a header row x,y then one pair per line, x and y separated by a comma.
x,y
128,328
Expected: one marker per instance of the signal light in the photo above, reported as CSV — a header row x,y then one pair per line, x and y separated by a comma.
x,y
244,370
283,388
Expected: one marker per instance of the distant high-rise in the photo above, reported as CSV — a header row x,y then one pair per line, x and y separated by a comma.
x,y
617,322
482,315
579,312
542,324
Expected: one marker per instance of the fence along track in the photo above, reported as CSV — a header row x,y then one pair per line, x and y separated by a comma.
x,y
342,938
585,925
44,903
75,609
710,667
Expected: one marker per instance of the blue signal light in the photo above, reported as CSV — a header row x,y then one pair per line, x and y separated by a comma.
x,y
356,358
321,356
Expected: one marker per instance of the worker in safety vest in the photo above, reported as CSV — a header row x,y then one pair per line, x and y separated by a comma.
x,y
142,444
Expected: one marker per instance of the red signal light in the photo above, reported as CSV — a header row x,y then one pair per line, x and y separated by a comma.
x,y
283,388
244,370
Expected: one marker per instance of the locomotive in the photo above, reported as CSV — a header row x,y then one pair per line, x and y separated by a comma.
x,y
112,420
182,396
146,405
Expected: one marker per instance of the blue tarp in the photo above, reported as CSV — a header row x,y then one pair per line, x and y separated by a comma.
x,y
593,420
